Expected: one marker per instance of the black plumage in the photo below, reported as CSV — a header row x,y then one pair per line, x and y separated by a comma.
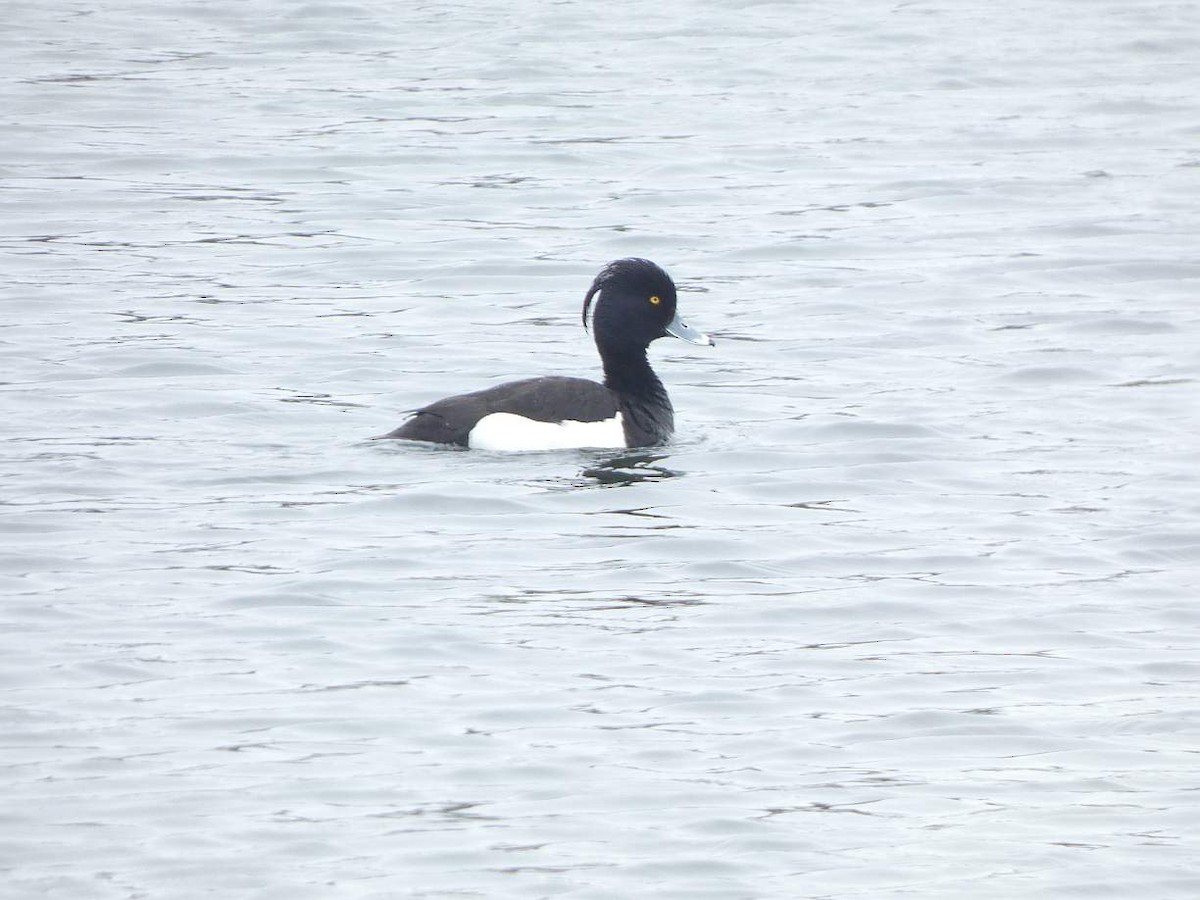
x,y
635,304
450,421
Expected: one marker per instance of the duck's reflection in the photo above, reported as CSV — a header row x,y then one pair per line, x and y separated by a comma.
x,y
630,468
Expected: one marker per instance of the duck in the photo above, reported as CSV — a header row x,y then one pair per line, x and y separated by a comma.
x,y
635,304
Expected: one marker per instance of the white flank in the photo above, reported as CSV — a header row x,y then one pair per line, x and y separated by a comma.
x,y
507,431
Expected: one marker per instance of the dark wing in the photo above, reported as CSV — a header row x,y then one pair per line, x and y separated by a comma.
x,y
548,399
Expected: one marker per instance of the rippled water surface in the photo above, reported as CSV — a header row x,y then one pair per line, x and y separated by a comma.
x,y
909,607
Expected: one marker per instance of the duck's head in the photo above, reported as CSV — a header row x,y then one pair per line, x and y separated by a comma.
x,y
635,304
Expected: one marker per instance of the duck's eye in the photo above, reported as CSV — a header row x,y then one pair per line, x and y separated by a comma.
x,y
655,300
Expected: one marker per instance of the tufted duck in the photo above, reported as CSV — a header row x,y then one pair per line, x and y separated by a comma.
x,y
635,304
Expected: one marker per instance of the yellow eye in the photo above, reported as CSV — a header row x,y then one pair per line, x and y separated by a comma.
x,y
655,300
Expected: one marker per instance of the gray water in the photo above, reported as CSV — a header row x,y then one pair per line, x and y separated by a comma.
x,y
907,609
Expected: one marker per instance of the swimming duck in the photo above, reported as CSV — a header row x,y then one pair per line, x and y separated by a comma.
x,y
634,305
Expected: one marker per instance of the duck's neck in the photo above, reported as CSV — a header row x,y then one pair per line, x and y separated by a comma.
x,y
649,418
628,373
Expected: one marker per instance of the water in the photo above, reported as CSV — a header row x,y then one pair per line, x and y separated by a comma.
x,y
908,609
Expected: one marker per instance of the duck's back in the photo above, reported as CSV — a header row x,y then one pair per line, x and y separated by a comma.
x,y
552,412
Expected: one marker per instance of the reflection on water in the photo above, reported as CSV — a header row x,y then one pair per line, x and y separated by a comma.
x,y
630,468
